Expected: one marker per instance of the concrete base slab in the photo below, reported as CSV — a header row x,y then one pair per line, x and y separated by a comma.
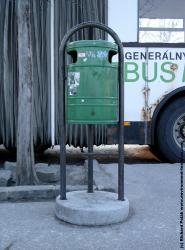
x,y
92,209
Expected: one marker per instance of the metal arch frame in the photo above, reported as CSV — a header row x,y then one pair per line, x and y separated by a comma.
x,y
121,107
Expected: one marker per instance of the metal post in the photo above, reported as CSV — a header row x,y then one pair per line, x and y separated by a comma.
x,y
90,159
62,145
63,167
121,165
121,162
62,119
121,131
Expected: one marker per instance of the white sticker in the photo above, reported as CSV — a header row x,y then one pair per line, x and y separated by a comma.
x,y
73,82
81,54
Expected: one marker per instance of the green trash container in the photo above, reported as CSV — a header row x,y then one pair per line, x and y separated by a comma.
x,y
92,84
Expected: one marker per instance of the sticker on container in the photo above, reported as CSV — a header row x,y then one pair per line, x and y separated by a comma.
x,y
73,83
101,54
81,54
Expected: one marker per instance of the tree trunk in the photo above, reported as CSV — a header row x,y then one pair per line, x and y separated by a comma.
x,y
25,172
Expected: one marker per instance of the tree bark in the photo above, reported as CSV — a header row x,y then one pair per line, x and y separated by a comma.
x,y
25,172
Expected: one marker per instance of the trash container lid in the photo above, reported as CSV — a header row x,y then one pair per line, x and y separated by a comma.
x,y
92,43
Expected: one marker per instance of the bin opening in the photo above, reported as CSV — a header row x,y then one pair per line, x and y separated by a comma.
x,y
73,55
112,53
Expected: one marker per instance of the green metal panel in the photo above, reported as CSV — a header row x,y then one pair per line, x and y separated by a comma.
x,y
92,91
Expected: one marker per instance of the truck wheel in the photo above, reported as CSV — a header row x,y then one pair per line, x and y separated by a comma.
x,y
171,130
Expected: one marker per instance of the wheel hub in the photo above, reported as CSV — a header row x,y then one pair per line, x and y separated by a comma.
x,y
182,131
179,130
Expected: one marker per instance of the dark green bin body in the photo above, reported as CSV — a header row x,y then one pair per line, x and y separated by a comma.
x,y
92,84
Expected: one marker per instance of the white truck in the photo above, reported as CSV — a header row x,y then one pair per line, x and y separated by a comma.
x,y
155,97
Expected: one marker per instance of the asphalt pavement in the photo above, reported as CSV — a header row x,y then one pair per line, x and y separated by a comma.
x,y
153,223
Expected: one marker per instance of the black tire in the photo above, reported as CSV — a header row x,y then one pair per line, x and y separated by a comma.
x,y
170,130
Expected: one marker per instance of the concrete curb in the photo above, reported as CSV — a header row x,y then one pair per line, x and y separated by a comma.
x,y
34,193
105,179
